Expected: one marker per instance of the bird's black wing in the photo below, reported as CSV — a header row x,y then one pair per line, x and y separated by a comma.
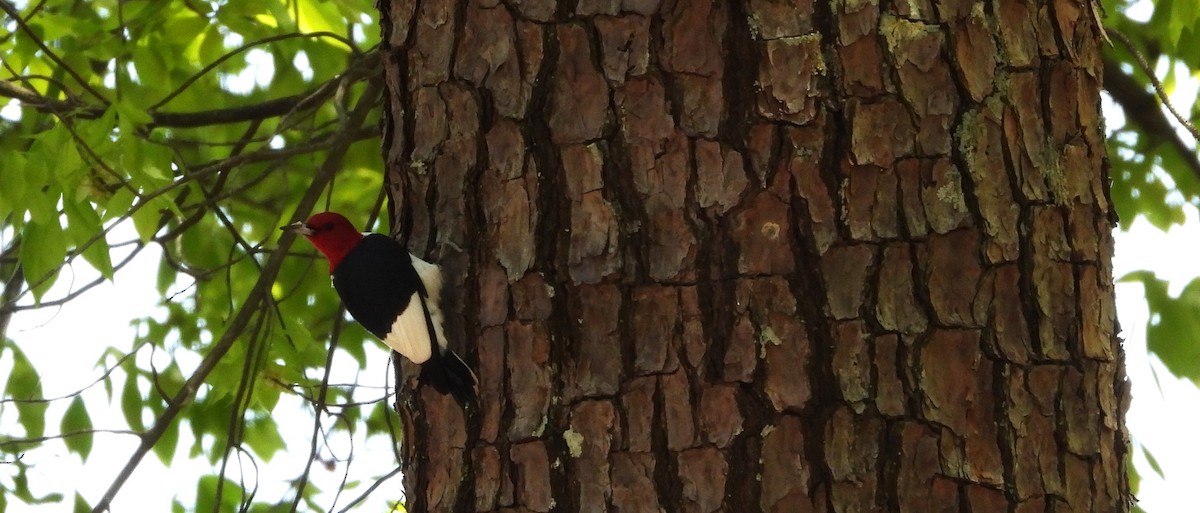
x,y
378,284
376,281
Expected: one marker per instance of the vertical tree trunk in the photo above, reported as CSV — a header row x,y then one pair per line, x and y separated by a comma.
x,y
761,256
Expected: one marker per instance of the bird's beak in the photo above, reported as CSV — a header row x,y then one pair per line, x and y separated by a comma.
x,y
298,227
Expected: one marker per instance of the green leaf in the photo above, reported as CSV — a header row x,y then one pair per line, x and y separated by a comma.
x,y
354,342
12,184
1184,183
82,225
1153,462
131,113
148,165
167,444
148,63
81,505
211,46
146,218
102,364
157,164
1183,16
97,133
377,421
43,250
41,196
1171,332
25,386
298,350
1135,479
119,204
132,403
57,150
320,17
262,435
76,419
267,395
70,168
53,26
206,494
167,276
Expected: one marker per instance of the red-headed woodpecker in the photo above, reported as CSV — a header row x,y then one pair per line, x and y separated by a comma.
x,y
393,294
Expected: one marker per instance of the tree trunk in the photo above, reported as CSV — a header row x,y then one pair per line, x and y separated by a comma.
x,y
747,256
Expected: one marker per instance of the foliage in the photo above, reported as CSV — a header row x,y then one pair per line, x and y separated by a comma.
x,y
201,125
1155,166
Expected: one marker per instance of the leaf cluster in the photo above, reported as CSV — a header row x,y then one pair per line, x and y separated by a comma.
x,y
1155,166
192,130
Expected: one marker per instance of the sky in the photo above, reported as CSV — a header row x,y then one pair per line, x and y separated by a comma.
x,y
1165,414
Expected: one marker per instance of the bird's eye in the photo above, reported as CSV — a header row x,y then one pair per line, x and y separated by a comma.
x,y
327,226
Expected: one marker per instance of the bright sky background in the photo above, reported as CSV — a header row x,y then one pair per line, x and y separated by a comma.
x,y
1165,413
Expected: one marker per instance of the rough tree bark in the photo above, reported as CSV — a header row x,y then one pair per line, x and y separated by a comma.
x,y
761,255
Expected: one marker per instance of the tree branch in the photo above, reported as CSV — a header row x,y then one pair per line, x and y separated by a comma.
x,y
213,65
158,119
228,115
9,306
16,16
1144,107
258,294
261,288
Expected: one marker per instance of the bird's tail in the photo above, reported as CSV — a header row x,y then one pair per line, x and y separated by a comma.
x,y
449,374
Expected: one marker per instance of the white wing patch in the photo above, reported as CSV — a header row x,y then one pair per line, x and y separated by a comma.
x,y
409,335
431,276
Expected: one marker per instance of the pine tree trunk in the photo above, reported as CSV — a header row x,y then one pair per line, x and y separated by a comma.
x,y
748,256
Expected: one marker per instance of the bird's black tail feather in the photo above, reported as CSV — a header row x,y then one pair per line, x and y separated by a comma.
x,y
449,374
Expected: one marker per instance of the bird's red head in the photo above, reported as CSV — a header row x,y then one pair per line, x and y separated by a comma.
x,y
331,233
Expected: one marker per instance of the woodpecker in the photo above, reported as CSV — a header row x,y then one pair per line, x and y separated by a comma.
x,y
393,294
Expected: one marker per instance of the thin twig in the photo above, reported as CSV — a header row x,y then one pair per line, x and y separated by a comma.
x,y
12,442
353,135
370,489
228,55
319,407
233,331
10,306
1158,87
1142,109
365,103
250,306
237,423
71,108
37,40
107,372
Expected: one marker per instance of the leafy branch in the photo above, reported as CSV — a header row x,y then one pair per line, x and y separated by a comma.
x,y
258,294
144,143
362,66
1143,107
